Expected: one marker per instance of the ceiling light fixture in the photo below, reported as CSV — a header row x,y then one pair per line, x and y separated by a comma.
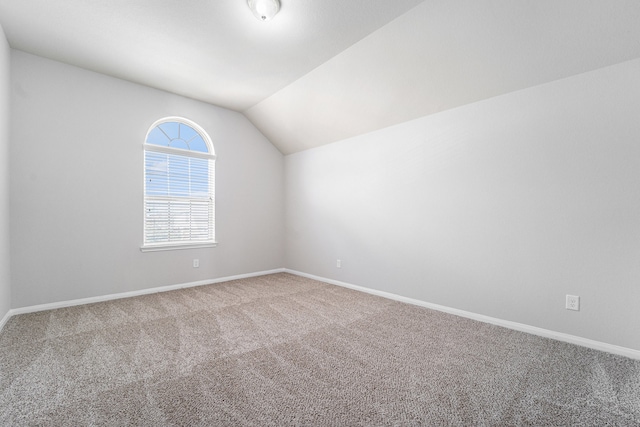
x,y
264,10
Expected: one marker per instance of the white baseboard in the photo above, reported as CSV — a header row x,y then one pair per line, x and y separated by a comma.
x,y
5,319
62,304
572,339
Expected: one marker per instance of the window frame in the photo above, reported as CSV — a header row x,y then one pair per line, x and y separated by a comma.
x,y
210,155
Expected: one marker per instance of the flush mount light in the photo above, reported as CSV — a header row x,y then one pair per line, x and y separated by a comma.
x,y
264,10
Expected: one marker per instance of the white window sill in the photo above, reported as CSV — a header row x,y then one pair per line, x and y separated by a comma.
x,y
177,246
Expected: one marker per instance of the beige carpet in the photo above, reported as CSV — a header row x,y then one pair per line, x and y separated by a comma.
x,y
284,350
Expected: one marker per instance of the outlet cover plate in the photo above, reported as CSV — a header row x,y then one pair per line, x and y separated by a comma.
x,y
573,302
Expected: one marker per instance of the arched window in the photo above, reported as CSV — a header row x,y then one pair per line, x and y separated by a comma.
x,y
179,186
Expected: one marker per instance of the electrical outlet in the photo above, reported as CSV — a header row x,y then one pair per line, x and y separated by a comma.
x,y
573,302
196,263
339,263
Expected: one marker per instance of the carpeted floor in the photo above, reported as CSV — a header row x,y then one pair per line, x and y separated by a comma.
x,y
285,350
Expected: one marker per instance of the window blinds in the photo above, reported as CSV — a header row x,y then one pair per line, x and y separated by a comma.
x,y
179,200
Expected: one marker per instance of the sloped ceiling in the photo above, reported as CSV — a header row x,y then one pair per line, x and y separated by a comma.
x,y
212,50
325,70
443,54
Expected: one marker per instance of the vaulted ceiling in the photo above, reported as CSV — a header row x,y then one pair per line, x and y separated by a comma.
x,y
326,70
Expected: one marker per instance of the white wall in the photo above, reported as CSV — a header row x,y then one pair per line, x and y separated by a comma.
x,y
76,187
501,207
5,284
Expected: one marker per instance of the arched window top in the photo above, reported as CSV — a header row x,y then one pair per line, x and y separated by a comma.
x,y
179,133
